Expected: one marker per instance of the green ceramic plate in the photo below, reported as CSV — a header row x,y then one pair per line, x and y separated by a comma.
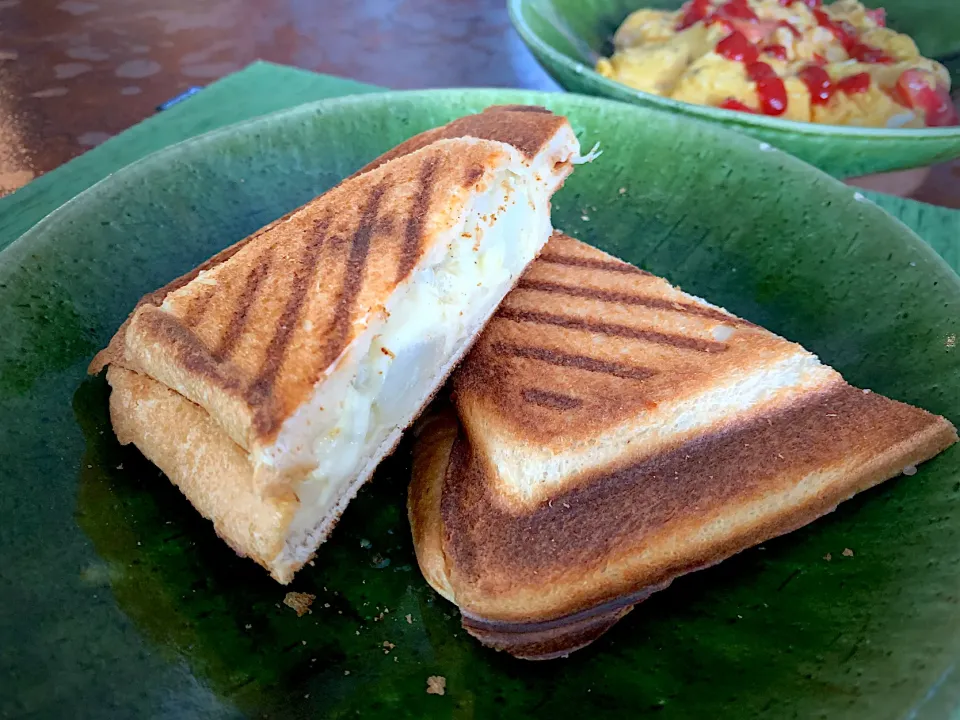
x,y
119,602
567,37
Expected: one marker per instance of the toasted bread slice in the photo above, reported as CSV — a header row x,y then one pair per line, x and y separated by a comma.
x,y
591,361
312,345
638,434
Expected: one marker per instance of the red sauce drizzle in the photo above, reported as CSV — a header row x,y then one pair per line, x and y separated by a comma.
x,y
770,88
854,84
789,26
822,88
847,35
736,47
693,12
869,54
777,51
818,83
734,104
701,11
839,32
736,10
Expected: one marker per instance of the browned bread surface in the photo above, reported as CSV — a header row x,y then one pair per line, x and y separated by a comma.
x,y
545,576
528,128
249,339
586,341
642,524
209,366
538,581
114,351
435,433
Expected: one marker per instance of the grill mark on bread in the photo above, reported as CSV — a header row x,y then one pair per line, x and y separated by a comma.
x,y
265,420
601,328
472,174
413,233
386,224
114,350
627,299
553,400
191,352
593,264
197,307
581,362
353,277
238,321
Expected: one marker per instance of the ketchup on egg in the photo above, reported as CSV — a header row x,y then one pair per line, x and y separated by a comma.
x,y
770,88
748,38
777,51
736,47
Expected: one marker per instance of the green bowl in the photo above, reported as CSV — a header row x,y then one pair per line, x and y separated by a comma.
x,y
118,601
568,36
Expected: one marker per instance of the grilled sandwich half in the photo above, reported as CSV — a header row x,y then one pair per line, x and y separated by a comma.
x,y
270,382
611,432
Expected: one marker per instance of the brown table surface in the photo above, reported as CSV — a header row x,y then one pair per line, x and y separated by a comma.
x,y
75,72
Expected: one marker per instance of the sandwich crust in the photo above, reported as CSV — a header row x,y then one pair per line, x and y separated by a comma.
x,y
528,128
543,577
435,432
207,369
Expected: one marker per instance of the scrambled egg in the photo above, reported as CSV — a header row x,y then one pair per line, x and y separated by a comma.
x,y
836,64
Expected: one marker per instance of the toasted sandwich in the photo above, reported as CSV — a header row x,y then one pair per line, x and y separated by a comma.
x,y
611,433
269,383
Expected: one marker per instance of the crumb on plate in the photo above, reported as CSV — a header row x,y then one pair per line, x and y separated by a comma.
x,y
300,602
436,685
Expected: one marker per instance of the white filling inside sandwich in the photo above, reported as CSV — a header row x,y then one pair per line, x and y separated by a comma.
x,y
374,390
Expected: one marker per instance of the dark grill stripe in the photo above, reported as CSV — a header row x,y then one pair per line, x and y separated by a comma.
x,y
413,233
473,173
608,265
191,352
581,362
353,278
261,387
678,341
553,400
628,299
238,322
197,307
